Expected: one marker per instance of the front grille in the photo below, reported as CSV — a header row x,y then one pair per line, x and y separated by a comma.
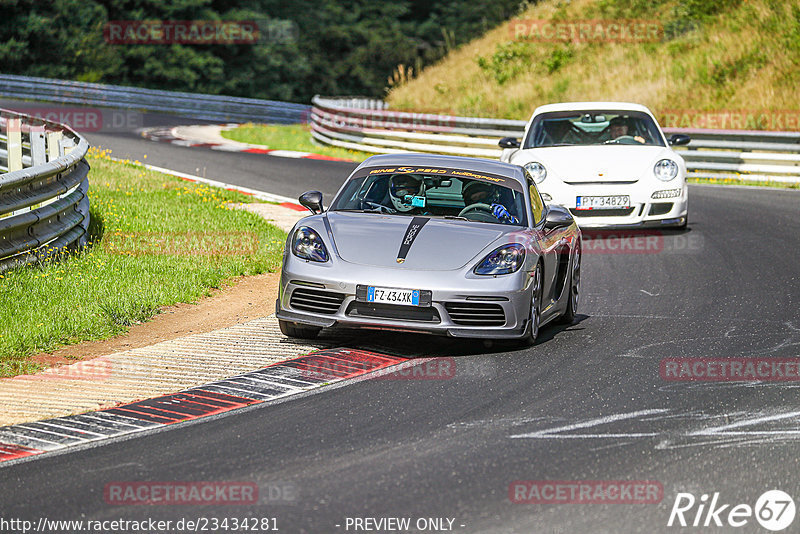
x,y
315,300
660,208
425,314
474,314
622,212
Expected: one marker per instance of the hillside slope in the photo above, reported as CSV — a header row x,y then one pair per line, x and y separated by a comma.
x,y
713,55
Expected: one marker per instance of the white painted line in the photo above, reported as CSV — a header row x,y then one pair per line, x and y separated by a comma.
x,y
724,429
548,433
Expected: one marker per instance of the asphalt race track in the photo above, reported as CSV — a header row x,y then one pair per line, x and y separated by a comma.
x,y
587,402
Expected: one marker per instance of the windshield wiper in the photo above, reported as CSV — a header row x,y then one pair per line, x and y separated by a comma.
x,y
455,218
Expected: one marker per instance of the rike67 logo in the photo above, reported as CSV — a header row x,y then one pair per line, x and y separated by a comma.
x,y
774,510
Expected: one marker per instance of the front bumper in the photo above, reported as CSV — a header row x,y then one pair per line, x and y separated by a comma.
x,y
459,308
644,212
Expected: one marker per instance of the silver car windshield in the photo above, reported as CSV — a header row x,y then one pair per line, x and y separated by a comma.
x,y
571,128
414,195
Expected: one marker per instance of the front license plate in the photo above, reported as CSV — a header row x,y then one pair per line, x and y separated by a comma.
x,y
603,203
387,295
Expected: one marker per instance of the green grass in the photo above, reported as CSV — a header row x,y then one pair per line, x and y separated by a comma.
x,y
714,55
741,181
289,137
155,241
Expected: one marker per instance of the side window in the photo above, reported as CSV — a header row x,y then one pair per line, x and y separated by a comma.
x,y
537,206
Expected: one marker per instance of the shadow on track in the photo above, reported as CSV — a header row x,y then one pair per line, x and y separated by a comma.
x,y
414,345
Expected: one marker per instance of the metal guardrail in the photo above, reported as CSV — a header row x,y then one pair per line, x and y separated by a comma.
x,y
44,205
198,106
367,125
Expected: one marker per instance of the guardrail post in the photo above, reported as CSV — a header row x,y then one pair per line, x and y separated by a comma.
x,y
65,146
38,151
14,136
53,149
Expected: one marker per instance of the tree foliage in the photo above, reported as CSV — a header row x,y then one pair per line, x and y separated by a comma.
x,y
345,47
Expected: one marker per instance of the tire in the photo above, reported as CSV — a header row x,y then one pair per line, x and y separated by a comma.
x,y
298,331
534,317
574,288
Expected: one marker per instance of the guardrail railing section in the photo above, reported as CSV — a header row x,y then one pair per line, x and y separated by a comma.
x,y
368,125
44,183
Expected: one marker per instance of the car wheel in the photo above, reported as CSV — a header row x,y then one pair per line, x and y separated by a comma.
x,y
532,331
298,331
574,288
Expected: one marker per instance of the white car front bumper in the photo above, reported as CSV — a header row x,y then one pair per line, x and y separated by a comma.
x,y
644,210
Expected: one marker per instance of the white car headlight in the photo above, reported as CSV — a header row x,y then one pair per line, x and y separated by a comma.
x,y
665,170
537,171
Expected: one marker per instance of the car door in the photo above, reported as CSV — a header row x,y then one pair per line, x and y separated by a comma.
x,y
555,251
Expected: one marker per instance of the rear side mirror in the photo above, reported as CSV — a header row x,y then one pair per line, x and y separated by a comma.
x,y
508,142
557,217
679,139
312,200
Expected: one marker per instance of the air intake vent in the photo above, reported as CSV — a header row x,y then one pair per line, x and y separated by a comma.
x,y
425,314
660,208
622,212
476,314
316,301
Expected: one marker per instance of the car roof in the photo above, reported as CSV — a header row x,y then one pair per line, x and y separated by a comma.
x,y
589,106
450,162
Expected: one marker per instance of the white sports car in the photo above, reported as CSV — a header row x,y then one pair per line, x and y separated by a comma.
x,y
609,163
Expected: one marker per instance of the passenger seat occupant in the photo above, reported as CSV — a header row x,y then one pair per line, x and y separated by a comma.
x,y
476,192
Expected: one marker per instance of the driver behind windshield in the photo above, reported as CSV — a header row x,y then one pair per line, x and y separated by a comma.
x,y
407,194
476,192
619,127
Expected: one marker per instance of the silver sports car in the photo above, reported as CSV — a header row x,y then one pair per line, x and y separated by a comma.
x,y
455,246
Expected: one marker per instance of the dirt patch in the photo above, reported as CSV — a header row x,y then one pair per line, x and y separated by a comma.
x,y
246,298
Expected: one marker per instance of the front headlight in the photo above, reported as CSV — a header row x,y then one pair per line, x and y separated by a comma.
x,y
537,171
665,170
504,260
308,245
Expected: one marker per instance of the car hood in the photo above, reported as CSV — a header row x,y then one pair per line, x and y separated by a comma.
x,y
375,239
597,163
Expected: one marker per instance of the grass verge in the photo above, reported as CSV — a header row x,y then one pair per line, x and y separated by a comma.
x,y
289,137
154,241
742,181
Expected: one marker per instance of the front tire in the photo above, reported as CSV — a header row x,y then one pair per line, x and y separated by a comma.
x,y
574,288
534,319
298,331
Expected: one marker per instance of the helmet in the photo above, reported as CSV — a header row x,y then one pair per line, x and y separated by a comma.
x,y
402,185
474,187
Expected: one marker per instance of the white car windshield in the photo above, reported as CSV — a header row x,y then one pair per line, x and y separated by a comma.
x,y
571,128
480,198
